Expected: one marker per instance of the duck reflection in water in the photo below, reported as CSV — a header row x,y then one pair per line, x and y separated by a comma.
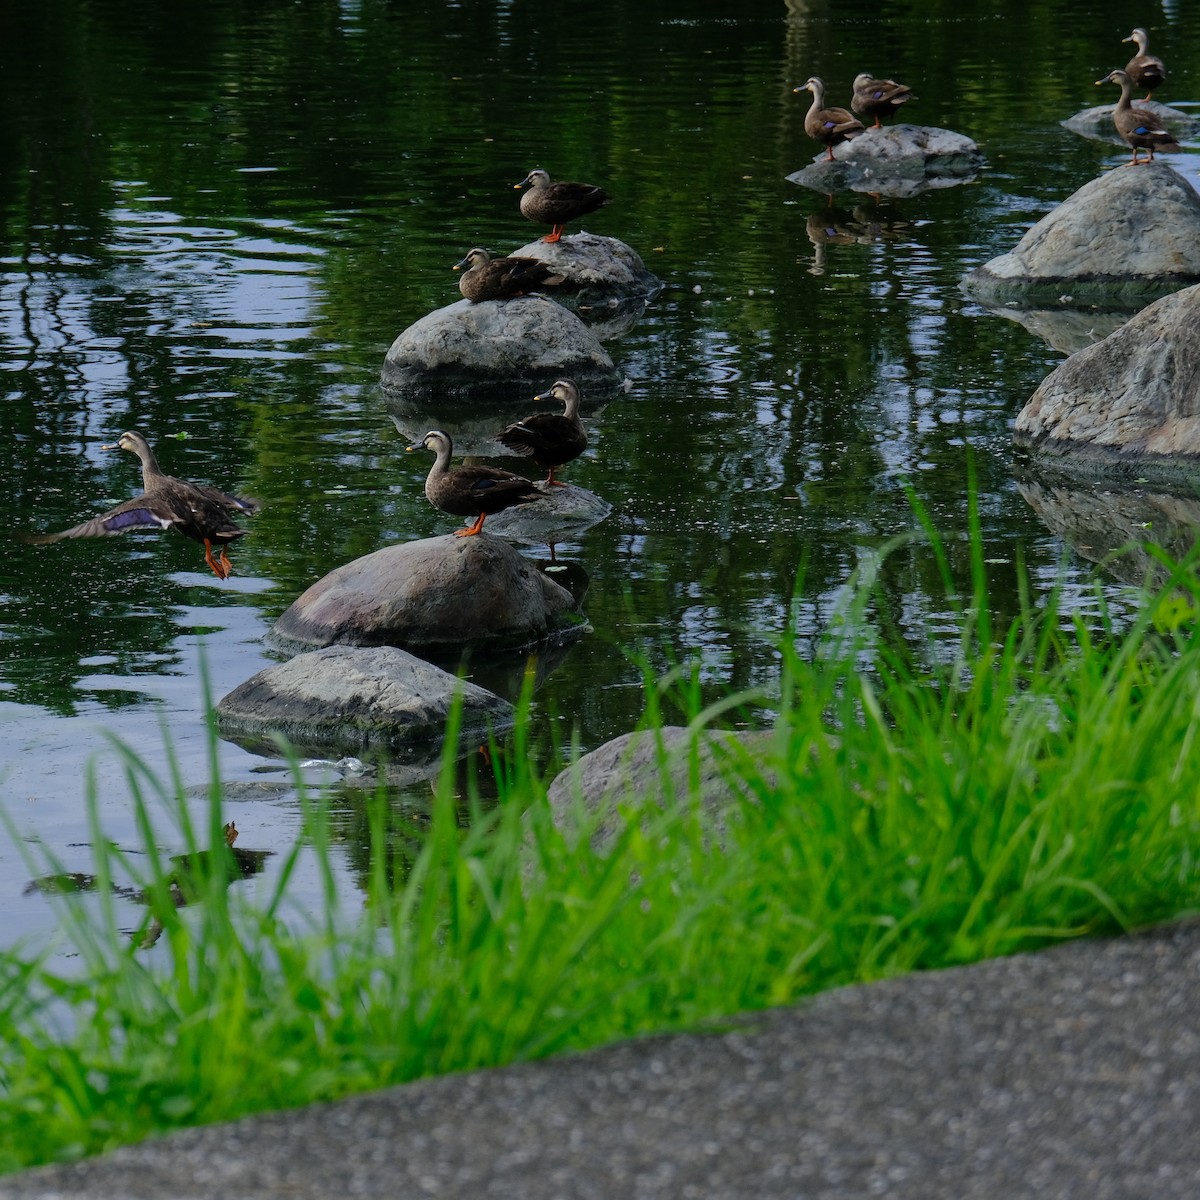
x,y
186,883
862,225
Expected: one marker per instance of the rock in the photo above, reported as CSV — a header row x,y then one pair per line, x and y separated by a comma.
x,y
565,513
897,160
639,767
437,596
1132,231
1132,398
597,269
1098,122
347,697
520,342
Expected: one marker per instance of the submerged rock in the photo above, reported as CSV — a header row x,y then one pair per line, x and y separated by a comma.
x,y
1133,230
897,160
518,342
1098,122
437,596
597,269
659,767
1132,398
565,513
348,697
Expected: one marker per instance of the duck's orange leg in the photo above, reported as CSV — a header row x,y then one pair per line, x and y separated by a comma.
x,y
213,565
226,565
554,234
552,482
471,530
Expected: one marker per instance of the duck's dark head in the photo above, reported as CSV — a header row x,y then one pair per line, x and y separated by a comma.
x,y
474,257
563,390
131,441
435,440
536,178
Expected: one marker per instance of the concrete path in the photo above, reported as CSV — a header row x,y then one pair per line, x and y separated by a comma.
x,y
1071,1073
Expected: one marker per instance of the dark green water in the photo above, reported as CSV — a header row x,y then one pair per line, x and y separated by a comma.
x,y
216,218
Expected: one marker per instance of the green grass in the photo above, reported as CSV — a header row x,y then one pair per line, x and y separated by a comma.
x,y
1042,784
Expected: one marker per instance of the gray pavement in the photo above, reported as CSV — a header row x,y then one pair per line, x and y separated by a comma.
x,y
1074,1072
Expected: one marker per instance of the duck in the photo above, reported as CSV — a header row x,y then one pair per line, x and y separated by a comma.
x,y
1137,126
471,490
488,278
878,97
550,439
829,126
557,203
1145,70
199,512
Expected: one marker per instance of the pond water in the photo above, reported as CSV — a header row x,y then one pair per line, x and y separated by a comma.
x,y
217,217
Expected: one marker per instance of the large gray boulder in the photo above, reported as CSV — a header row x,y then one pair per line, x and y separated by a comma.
x,y
519,342
1132,398
350,698
897,160
1134,231
437,596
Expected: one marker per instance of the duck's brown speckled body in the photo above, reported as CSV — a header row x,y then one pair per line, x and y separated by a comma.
x,y
550,439
1140,128
488,278
1144,70
827,125
472,490
556,203
877,98
199,512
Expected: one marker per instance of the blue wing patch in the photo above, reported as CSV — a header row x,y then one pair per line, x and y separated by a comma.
x,y
135,518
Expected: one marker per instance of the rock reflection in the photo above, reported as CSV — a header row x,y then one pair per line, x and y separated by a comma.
x,y
1114,525
1064,329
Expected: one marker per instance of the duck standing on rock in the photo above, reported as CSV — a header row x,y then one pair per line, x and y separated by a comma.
x,y
878,97
199,512
488,278
1137,126
829,126
557,203
550,439
1144,70
471,490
